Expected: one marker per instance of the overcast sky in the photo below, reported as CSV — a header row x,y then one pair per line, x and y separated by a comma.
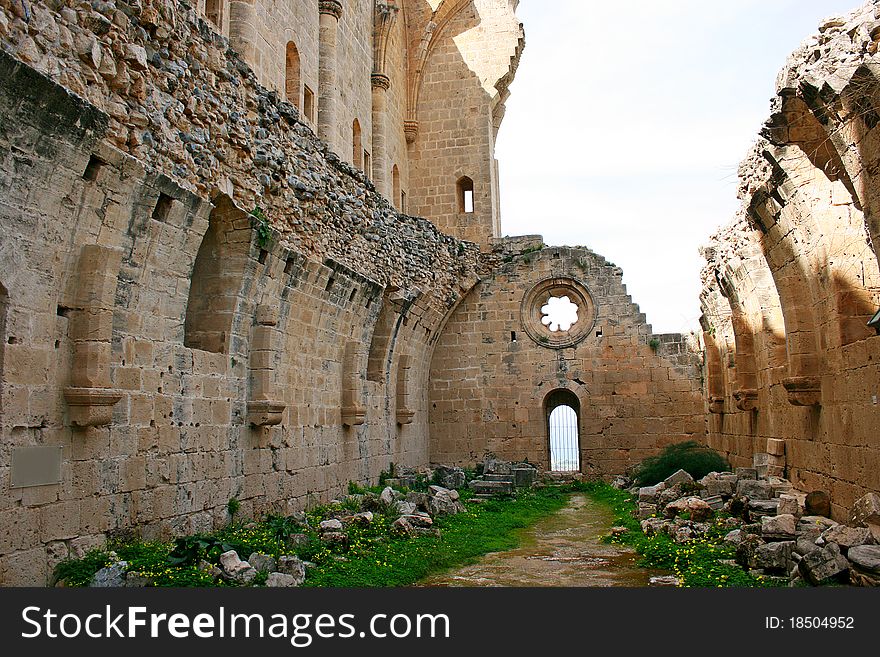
x,y
627,122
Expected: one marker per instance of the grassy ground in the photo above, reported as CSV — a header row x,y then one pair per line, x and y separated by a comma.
x,y
373,556
697,563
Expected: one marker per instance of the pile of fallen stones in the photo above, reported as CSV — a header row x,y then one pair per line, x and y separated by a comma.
x,y
777,530
284,572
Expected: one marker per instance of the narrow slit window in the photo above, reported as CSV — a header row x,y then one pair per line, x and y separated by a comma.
x,y
93,168
368,165
308,104
465,195
395,187
358,152
163,207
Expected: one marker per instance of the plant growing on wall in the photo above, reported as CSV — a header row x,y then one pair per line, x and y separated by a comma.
x,y
233,506
654,343
260,222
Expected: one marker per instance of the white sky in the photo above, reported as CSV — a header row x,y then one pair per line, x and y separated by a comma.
x,y
627,122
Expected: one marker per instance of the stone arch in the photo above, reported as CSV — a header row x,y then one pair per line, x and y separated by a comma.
x,y
293,75
395,306
215,284
421,49
838,134
796,297
562,413
755,316
860,139
833,236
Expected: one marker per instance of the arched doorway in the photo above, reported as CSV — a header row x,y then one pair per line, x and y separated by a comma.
x,y
562,409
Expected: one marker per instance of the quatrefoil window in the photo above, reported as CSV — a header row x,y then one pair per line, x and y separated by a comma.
x,y
559,314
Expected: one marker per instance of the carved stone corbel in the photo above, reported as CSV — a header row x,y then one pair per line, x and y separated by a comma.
x,y
803,390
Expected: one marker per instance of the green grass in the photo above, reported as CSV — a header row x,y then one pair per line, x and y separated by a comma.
x,y
490,527
373,556
696,563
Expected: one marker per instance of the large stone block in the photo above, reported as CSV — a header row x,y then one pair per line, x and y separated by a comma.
x,y
824,565
779,526
866,513
754,489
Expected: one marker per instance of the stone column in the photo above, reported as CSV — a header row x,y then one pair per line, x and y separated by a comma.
x,y
90,399
263,408
384,18
243,29
405,413
354,411
381,84
330,13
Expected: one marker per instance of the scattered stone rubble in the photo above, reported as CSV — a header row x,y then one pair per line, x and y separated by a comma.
x,y
502,478
415,515
777,531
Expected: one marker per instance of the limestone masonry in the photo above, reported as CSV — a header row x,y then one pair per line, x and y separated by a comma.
x,y
252,250
792,366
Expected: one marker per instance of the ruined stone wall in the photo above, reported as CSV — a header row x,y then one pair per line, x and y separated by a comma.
x,y
800,397
448,65
178,352
496,365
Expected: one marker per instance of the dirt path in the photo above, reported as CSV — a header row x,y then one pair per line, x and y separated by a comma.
x,y
561,550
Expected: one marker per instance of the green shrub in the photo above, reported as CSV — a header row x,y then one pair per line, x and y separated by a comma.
x,y
692,457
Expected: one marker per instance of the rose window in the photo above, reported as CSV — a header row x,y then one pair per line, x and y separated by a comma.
x,y
559,314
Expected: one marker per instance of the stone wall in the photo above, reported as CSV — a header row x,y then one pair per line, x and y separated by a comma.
x,y
446,66
176,348
792,367
496,367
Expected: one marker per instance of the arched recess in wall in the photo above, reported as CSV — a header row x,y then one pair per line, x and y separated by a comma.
x,y
465,194
844,233
746,392
215,285
292,76
796,295
421,48
861,151
357,154
562,412
395,187
714,372
381,344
